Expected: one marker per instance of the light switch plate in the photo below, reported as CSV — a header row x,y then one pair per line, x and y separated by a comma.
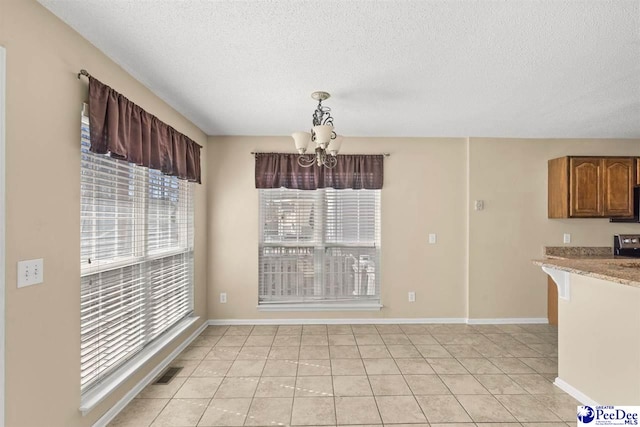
x,y
432,238
30,272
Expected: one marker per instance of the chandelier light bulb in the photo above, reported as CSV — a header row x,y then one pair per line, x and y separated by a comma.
x,y
322,135
334,145
301,139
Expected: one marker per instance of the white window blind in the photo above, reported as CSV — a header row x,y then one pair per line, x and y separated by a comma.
x,y
136,257
319,246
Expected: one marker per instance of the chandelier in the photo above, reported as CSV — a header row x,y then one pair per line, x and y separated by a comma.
x,y
327,142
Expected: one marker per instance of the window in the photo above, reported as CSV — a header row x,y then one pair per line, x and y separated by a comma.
x,y
319,246
136,249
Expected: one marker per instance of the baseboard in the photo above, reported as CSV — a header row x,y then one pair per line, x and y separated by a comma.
x,y
380,321
122,403
509,320
574,392
357,321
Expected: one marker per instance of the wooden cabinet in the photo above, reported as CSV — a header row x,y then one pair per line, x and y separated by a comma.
x,y
585,194
619,180
552,302
591,187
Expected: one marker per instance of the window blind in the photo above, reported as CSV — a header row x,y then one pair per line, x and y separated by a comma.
x,y
319,246
136,249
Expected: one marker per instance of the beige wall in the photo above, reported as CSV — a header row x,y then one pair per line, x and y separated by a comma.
x,y
424,192
43,201
598,347
427,182
510,175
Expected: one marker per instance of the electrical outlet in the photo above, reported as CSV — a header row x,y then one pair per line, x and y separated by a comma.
x,y
412,296
567,238
30,272
223,297
432,238
479,205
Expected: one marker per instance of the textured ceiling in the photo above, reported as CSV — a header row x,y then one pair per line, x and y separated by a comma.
x,y
496,68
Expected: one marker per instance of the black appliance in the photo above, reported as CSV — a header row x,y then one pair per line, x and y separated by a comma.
x,y
636,209
627,245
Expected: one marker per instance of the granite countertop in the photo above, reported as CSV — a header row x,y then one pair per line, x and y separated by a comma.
x,y
570,252
598,262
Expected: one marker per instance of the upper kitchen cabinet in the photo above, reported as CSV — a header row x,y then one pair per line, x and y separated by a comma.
x,y
619,180
591,187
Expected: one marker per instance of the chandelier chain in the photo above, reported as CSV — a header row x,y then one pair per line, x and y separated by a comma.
x,y
322,122
322,115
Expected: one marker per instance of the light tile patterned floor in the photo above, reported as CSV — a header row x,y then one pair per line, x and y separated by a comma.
x,y
338,375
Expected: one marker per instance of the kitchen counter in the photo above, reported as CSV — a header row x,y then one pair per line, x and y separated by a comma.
x,y
598,324
597,262
569,252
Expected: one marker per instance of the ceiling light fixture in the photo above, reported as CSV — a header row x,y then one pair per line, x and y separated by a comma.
x,y
322,134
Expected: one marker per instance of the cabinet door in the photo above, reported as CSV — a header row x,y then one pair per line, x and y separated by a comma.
x,y
586,187
618,181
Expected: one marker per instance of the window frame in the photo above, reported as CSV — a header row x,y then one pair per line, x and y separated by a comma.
x,y
320,243
105,381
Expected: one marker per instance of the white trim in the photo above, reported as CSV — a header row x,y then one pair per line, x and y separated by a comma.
x,y
382,321
320,307
3,92
356,321
509,320
562,281
96,395
574,392
122,403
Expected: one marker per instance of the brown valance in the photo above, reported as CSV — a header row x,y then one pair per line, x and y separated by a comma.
x,y
127,132
357,171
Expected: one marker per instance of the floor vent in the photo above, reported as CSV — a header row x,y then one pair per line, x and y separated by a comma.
x,y
168,375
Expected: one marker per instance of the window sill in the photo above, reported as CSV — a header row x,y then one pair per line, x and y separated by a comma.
x,y
97,394
320,307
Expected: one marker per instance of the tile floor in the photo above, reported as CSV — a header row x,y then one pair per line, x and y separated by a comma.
x,y
361,375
